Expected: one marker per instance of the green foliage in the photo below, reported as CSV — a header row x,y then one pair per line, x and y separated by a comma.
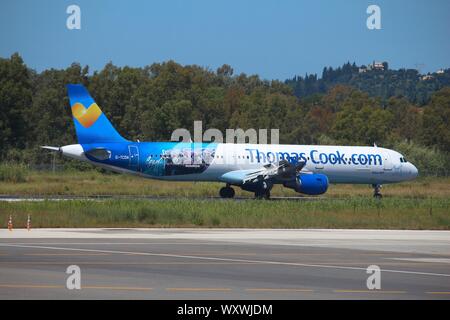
x,y
361,121
436,120
358,212
15,99
377,83
429,161
13,172
148,103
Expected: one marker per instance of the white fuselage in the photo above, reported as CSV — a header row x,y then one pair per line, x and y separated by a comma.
x,y
341,164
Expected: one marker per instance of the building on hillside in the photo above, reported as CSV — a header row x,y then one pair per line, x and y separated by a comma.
x,y
427,77
376,65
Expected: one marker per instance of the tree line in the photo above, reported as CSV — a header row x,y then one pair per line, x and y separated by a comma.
x,y
148,103
383,83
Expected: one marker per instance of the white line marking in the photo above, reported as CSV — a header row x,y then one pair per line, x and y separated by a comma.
x,y
425,260
125,243
227,259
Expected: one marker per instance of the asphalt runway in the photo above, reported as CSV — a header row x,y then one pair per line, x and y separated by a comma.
x,y
224,264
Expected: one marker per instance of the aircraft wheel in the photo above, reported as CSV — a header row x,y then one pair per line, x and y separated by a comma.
x,y
226,192
262,194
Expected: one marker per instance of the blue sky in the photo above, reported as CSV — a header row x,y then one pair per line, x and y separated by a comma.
x,y
275,39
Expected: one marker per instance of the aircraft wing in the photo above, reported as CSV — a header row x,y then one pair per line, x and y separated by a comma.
x,y
280,171
51,148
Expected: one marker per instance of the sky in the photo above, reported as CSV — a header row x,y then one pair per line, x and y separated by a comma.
x,y
275,39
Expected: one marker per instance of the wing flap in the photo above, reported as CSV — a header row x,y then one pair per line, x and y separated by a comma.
x,y
237,177
281,171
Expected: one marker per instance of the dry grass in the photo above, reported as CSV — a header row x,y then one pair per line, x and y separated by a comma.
x,y
421,204
95,183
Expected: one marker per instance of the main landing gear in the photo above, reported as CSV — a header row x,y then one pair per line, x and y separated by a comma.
x,y
226,192
376,191
263,192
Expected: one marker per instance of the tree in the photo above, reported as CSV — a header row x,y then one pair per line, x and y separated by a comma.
x,y
148,103
225,70
436,120
15,102
361,121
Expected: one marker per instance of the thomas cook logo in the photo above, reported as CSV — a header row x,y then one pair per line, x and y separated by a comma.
x,y
86,116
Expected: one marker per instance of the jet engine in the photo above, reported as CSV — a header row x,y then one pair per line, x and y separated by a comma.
x,y
310,184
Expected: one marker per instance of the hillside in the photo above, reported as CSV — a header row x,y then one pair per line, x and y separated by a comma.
x,y
376,80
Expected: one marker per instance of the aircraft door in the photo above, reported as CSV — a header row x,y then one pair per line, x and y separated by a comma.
x,y
134,157
387,162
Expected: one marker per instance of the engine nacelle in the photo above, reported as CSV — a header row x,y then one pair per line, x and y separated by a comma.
x,y
310,184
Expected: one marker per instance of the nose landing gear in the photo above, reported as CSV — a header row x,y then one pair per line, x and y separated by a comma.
x,y
377,191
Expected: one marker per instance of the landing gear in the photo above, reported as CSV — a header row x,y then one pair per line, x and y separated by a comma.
x,y
263,192
226,192
376,191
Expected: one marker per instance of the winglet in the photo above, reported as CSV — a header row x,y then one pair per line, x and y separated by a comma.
x,y
51,148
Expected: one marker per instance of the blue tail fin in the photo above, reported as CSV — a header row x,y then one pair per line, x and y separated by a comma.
x,y
91,124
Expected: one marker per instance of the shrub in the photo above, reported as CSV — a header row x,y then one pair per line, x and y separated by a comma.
x,y
429,160
13,172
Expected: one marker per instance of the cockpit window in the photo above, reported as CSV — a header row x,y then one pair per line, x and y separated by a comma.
x,y
403,160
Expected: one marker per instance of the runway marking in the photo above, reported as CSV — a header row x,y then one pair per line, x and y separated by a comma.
x,y
126,243
31,286
278,290
197,289
123,263
424,260
268,262
293,254
66,254
163,263
369,291
117,288
215,254
438,292
187,289
41,286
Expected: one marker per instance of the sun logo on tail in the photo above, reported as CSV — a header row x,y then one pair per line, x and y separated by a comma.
x,y
86,116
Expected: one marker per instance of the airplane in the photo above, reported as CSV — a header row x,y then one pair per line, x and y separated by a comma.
x,y
307,169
